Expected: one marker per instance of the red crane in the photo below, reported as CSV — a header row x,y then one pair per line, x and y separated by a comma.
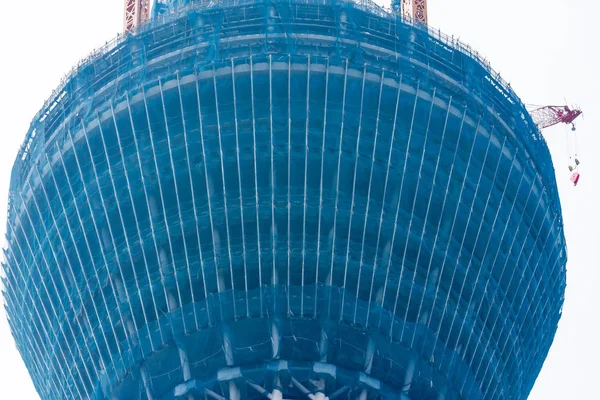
x,y
136,13
545,117
417,9
414,9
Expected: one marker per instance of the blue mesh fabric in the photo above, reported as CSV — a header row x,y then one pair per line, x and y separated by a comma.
x,y
296,197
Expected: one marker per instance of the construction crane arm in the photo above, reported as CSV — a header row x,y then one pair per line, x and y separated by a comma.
x,y
545,117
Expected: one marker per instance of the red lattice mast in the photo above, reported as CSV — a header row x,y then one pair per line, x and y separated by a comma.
x,y
415,9
136,13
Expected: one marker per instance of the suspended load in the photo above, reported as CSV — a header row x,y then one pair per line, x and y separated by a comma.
x,y
545,117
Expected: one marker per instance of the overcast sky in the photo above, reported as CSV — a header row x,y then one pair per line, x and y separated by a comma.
x,y
547,49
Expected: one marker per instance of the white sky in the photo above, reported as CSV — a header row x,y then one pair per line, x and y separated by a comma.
x,y
547,49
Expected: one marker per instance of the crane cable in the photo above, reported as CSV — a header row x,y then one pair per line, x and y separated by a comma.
x,y
568,144
576,142
572,148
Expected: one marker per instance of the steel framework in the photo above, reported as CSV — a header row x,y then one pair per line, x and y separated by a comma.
x,y
136,13
548,116
415,9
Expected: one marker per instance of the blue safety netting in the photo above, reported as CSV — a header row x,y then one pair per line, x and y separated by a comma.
x,y
260,197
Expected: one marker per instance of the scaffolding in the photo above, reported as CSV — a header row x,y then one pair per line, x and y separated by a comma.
x,y
252,199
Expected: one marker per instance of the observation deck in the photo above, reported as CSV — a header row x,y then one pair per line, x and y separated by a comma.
x,y
284,199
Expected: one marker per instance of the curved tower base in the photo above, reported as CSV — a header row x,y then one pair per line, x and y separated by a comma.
x,y
293,341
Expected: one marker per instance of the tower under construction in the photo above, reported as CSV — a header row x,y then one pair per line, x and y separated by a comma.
x,y
283,199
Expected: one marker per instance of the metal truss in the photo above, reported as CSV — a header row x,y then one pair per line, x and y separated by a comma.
x,y
136,13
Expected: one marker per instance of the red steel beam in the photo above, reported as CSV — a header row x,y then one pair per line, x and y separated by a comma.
x,y
136,13
415,9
